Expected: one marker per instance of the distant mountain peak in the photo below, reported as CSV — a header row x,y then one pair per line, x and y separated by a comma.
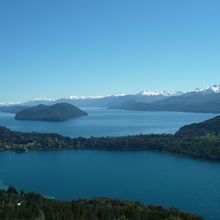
x,y
9,103
94,97
104,100
83,97
159,93
206,90
119,94
44,99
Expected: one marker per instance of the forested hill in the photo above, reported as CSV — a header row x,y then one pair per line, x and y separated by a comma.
x,y
57,112
32,206
209,127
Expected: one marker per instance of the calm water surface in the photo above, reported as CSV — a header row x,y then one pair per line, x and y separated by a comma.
x,y
153,178
104,122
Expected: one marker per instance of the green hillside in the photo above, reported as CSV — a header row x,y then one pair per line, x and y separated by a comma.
x,y
32,206
53,113
210,127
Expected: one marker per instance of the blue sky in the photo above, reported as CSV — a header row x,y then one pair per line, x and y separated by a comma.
x,y
51,48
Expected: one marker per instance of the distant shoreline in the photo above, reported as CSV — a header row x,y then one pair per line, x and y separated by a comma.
x,y
203,147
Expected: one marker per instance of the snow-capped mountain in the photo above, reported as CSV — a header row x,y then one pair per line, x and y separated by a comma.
x,y
160,93
199,91
206,100
144,96
38,101
44,99
198,100
9,103
94,97
100,101
205,91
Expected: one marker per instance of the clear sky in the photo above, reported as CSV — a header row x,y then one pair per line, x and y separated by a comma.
x,y
56,48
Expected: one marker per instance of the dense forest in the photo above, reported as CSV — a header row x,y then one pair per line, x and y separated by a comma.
x,y
209,127
206,146
32,206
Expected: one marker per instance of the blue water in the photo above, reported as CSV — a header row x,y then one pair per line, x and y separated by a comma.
x,y
104,122
153,178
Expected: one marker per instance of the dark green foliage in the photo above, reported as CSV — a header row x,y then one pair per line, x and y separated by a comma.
x,y
13,190
209,127
32,206
206,146
57,112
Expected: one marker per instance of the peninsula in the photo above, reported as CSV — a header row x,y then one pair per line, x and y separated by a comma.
x,y
187,141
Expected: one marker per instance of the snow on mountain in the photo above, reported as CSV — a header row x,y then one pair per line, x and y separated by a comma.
x,y
119,94
93,97
143,96
142,93
207,90
9,103
37,101
83,97
43,99
204,91
160,93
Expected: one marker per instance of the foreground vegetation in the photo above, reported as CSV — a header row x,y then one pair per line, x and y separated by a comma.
x,y
32,206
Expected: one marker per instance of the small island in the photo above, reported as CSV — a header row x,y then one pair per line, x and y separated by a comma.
x,y
54,113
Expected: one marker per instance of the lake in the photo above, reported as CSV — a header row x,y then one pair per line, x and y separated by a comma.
x,y
153,178
149,177
104,122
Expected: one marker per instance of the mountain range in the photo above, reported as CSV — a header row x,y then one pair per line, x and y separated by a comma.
x,y
100,101
205,100
198,100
